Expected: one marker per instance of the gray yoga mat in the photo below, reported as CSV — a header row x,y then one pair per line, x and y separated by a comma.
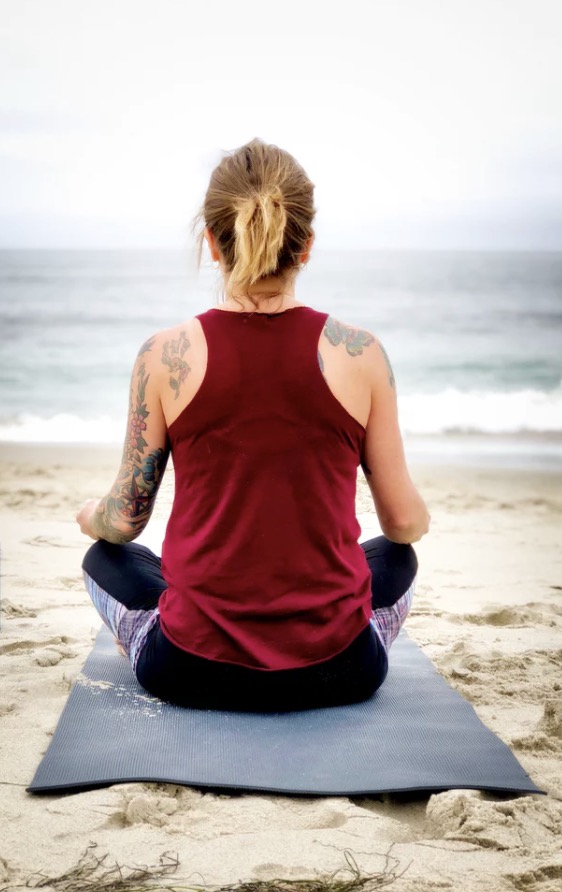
x,y
415,733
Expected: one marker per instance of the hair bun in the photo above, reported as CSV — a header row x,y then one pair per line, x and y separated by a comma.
x,y
274,194
259,207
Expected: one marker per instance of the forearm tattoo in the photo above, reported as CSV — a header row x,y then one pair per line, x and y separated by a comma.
x,y
172,356
125,510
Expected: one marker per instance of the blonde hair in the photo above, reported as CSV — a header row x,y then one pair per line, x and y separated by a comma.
x,y
259,206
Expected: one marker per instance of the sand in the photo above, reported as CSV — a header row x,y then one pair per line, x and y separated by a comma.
x,y
488,612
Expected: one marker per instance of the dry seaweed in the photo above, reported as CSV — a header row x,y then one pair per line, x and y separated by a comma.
x,y
94,873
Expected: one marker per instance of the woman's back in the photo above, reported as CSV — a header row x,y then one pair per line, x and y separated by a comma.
x,y
357,372
263,524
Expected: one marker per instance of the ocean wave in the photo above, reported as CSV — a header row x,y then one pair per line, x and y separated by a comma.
x,y
62,428
451,411
483,412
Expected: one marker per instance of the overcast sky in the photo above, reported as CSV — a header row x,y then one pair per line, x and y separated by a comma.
x,y
423,123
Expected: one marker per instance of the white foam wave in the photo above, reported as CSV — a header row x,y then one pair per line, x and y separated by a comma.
x,y
485,412
62,428
451,411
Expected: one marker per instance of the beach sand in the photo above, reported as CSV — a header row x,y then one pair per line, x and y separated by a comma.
x,y
488,612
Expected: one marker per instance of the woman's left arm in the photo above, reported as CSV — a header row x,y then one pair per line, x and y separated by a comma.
x,y
123,513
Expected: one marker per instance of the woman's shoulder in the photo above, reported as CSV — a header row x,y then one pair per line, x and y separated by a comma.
x,y
169,349
360,346
169,358
175,339
353,338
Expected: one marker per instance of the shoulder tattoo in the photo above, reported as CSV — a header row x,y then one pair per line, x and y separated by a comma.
x,y
146,347
354,339
173,352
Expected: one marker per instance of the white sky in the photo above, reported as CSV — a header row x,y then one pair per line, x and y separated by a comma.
x,y
423,123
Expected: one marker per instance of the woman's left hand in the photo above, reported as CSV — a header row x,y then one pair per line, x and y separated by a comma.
x,y
84,517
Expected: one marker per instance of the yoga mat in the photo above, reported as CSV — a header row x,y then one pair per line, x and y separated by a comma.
x,y
415,733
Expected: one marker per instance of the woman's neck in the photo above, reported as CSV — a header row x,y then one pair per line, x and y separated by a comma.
x,y
270,296
264,306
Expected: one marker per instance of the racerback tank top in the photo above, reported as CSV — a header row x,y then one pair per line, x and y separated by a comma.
x,y
261,555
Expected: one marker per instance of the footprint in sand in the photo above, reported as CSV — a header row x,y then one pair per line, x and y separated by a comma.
x,y
547,735
24,498
51,542
270,870
153,804
499,677
51,656
73,583
17,647
21,646
542,878
313,814
452,658
532,614
424,608
43,540
13,611
4,871
471,817
181,810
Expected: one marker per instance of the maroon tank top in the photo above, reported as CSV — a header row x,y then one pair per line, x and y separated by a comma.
x,y
261,554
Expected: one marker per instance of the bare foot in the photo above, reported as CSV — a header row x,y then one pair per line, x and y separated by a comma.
x,y
119,647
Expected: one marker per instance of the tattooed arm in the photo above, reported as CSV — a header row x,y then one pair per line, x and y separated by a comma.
x,y
402,513
124,512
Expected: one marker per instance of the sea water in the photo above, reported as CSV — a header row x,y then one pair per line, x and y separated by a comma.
x,y
475,339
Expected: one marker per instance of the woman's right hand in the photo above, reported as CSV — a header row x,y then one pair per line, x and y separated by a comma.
x,y
84,517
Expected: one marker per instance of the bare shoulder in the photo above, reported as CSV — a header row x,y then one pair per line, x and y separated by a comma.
x,y
353,339
169,348
175,339
175,358
359,342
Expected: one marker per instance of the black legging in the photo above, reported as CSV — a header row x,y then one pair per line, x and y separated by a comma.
x,y
132,575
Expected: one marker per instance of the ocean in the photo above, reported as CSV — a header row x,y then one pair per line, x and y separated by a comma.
x,y
475,339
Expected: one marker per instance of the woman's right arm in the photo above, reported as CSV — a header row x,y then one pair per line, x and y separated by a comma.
x,y
401,511
122,514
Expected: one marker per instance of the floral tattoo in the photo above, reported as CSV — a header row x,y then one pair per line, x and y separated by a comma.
x,y
354,339
172,356
132,496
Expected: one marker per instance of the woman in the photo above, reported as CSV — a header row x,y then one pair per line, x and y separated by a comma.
x,y
264,599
